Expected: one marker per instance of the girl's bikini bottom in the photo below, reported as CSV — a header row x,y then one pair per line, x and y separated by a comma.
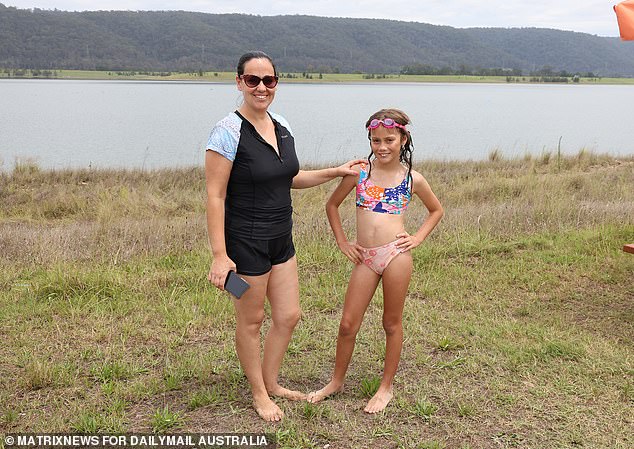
x,y
378,258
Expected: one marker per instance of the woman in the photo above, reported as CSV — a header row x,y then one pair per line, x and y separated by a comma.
x,y
250,167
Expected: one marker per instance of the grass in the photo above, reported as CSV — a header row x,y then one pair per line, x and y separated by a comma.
x,y
228,77
163,419
369,386
518,322
424,409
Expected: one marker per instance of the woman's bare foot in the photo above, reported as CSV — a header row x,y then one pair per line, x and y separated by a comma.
x,y
281,392
328,390
267,409
379,401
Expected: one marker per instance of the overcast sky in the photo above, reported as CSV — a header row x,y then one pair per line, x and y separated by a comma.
x,y
587,16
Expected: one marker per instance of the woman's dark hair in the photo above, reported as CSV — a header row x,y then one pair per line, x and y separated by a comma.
x,y
253,55
408,147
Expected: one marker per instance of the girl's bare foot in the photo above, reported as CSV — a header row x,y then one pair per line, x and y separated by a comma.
x,y
379,401
281,392
328,390
267,409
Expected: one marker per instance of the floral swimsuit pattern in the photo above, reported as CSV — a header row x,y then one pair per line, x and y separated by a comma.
x,y
378,258
387,200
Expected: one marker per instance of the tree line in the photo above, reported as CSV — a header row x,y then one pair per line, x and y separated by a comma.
x,y
187,41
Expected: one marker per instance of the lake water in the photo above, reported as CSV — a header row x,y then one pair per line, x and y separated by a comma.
x,y
62,124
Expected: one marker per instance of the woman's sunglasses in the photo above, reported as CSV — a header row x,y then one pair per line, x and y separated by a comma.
x,y
254,81
386,122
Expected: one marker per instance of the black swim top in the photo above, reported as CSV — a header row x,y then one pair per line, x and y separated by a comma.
x,y
258,201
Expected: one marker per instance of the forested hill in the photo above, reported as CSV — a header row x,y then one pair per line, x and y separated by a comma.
x,y
177,40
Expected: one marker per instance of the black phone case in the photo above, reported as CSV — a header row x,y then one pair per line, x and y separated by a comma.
x,y
235,285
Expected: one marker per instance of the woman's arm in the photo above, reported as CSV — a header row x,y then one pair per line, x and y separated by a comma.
x,y
422,189
217,171
311,178
350,249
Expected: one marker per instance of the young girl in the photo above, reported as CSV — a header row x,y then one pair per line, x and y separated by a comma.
x,y
384,188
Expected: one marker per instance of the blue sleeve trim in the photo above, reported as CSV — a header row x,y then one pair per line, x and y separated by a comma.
x,y
282,121
224,137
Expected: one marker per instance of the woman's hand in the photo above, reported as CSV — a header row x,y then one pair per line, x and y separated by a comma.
x,y
346,169
220,267
352,251
405,242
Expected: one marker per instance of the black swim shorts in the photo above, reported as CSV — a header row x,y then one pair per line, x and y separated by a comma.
x,y
255,257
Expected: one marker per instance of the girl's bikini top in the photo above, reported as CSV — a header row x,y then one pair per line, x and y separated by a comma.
x,y
390,200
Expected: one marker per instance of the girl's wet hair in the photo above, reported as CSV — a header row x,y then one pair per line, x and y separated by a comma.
x,y
408,147
253,55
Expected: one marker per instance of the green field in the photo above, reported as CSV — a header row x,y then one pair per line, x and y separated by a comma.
x,y
225,77
519,322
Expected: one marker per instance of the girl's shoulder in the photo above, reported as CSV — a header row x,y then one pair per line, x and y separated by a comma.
x,y
359,170
416,176
419,182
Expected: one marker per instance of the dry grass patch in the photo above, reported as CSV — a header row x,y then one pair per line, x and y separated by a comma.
x,y
518,323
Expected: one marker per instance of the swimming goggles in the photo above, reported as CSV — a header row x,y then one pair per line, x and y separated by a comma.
x,y
254,81
386,122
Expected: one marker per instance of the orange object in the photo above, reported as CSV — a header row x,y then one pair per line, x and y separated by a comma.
x,y
628,248
625,17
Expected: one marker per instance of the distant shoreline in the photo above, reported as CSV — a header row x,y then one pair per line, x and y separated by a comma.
x,y
313,78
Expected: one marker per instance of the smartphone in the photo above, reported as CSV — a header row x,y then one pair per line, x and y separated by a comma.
x,y
235,285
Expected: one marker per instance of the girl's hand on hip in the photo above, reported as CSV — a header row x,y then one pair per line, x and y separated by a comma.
x,y
346,169
352,251
406,242
220,267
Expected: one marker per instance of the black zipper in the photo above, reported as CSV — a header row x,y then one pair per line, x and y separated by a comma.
x,y
261,139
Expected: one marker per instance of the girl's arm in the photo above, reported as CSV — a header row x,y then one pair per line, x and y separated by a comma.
x,y
217,171
422,189
312,178
350,249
